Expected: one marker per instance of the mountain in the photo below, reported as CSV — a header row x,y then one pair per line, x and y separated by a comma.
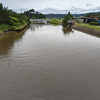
x,y
62,15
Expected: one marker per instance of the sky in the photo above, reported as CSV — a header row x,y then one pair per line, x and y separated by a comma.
x,y
54,6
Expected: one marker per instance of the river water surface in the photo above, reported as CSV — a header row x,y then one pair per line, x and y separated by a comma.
x,y
48,63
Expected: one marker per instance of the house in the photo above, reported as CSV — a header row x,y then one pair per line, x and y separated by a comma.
x,y
88,20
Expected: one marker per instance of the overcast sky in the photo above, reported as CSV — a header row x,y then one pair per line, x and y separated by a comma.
x,y
56,4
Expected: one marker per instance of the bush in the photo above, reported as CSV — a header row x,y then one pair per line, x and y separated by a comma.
x,y
33,17
54,21
4,27
14,18
94,23
13,28
78,21
66,18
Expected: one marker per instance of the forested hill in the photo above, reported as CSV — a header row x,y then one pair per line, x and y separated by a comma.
x,y
61,15
77,15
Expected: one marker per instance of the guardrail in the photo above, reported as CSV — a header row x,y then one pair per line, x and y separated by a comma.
x,y
39,20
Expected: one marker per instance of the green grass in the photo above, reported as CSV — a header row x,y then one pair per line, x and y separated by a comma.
x,y
19,27
94,27
5,27
1,32
55,21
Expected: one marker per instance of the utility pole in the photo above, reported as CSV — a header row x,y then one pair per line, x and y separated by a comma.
x,y
38,15
21,10
94,10
66,11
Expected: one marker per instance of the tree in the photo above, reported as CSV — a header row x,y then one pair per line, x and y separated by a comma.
x,y
66,18
10,17
34,14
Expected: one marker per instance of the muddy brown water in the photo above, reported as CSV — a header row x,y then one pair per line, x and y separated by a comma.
x,y
47,62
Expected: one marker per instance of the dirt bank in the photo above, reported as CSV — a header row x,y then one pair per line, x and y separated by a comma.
x,y
87,30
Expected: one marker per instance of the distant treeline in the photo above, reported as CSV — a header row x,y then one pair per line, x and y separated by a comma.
x,y
94,15
62,15
55,15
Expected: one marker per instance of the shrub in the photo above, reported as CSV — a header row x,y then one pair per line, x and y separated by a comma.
x,y
13,28
4,27
54,21
14,18
33,17
66,18
94,23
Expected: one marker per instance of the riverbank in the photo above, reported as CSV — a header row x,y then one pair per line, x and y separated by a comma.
x,y
89,29
4,30
56,22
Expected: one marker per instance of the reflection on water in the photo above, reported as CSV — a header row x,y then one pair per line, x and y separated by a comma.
x,y
67,30
33,27
7,41
41,64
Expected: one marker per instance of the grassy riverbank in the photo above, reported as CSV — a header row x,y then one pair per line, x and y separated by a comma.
x,y
93,27
11,21
55,21
4,27
1,32
86,28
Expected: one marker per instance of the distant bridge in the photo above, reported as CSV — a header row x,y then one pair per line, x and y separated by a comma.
x,y
40,20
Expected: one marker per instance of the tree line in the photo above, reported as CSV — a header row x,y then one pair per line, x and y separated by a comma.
x,y
10,17
32,14
94,15
13,18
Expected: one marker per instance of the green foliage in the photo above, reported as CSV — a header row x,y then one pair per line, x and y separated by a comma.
x,y
33,17
14,19
66,18
10,19
1,32
13,28
4,27
34,14
94,23
94,27
77,21
54,21
93,15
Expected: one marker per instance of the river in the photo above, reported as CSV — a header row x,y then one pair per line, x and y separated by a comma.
x,y
46,62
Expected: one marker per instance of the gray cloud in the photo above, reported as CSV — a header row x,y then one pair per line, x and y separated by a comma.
x,y
53,6
73,10
88,5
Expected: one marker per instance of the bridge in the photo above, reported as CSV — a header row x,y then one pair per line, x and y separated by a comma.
x,y
40,20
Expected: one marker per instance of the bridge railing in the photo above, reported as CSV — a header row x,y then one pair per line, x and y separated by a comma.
x,y
38,20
